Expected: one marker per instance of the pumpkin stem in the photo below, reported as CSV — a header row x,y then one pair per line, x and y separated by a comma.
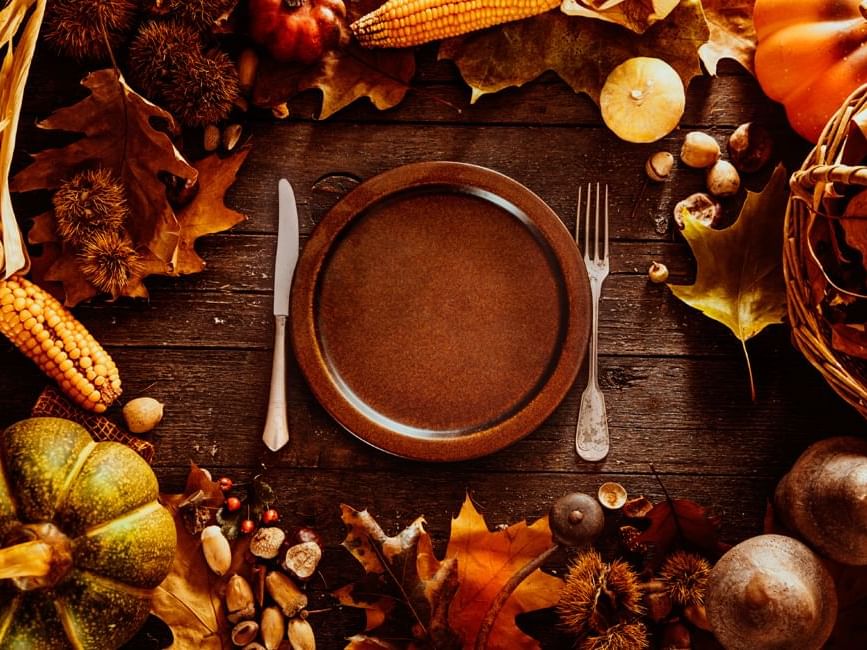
x,y
27,560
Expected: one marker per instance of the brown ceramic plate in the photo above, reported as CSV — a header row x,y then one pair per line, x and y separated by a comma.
x,y
440,311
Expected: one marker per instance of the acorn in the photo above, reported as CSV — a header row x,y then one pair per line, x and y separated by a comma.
x,y
285,593
78,29
92,201
109,261
142,414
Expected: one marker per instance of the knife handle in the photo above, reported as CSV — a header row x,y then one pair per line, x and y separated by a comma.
x,y
276,424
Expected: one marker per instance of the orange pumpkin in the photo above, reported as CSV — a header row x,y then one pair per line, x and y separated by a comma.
x,y
811,55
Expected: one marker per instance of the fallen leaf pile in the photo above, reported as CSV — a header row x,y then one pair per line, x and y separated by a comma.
x,y
119,134
739,280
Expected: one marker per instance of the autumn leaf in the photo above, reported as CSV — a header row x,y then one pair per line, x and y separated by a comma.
x,y
405,585
342,76
581,51
635,15
739,281
681,522
119,135
732,34
486,560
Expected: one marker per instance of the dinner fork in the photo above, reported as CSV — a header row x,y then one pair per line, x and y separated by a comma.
x,y
591,433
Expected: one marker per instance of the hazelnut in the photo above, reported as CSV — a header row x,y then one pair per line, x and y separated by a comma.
x,y
658,167
699,150
612,495
698,206
750,147
266,542
723,179
657,273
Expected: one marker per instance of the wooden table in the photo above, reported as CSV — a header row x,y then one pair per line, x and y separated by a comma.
x,y
675,382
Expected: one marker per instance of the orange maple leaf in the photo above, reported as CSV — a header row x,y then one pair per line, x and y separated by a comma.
x,y
486,561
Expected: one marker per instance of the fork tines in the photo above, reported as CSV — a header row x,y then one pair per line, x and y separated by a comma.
x,y
589,202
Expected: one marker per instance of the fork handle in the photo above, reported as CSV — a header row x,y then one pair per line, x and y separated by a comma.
x,y
591,434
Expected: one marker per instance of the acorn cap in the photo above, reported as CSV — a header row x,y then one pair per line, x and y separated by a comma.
x,y
771,591
576,519
824,499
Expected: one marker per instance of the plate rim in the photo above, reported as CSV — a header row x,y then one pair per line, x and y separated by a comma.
x,y
310,358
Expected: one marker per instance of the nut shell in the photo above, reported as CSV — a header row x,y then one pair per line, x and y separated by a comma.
x,y
576,519
142,414
771,591
659,165
700,207
723,179
823,499
699,150
750,147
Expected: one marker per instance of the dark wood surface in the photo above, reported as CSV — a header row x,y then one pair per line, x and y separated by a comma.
x,y
675,382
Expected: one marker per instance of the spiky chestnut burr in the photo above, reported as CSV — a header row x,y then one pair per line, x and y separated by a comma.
x,y
200,14
92,201
623,636
156,53
203,92
686,576
79,28
108,261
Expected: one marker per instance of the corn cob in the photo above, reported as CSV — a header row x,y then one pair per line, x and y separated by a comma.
x,y
402,23
64,350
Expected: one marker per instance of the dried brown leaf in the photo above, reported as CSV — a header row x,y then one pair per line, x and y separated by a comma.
x,y
635,15
732,35
581,51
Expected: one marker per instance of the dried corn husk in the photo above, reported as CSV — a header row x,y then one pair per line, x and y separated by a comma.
x,y
20,21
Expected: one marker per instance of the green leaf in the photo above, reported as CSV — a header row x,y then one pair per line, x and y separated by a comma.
x,y
583,51
739,281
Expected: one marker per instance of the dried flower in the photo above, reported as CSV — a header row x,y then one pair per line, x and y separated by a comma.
x,y
598,595
686,576
80,28
92,201
201,14
156,53
623,636
108,260
203,91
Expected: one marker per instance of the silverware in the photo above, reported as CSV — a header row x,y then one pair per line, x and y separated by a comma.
x,y
591,433
276,424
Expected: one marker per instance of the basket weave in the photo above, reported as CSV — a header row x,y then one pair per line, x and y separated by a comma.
x,y
811,334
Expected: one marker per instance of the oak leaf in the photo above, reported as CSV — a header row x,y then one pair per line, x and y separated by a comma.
x,y
581,51
405,587
486,560
732,34
635,15
739,280
188,599
344,75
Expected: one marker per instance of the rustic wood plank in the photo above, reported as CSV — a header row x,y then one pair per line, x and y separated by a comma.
x,y
685,415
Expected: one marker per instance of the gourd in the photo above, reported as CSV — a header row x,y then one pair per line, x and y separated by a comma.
x,y
824,499
300,33
809,56
84,539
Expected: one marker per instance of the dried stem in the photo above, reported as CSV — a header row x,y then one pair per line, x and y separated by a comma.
x,y
31,559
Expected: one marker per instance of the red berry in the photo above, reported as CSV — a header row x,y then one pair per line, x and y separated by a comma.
x,y
233,504
270,516
226,484
248,526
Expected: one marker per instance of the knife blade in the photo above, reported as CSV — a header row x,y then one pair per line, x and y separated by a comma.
x,y
276,433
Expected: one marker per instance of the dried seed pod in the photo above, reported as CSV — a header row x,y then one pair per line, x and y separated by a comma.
x,y
612,495
285,593
92,201
750,147
239,599
218,553
159,48
576,519
658,272
142,414
273,626
231,135
659,165
80,29
266,542
245,632
723,179
699,150
109,261
302,559
248,64
203,90
300,634
685,576
211,138
700,207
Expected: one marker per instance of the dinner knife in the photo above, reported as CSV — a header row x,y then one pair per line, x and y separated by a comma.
x,y
276,425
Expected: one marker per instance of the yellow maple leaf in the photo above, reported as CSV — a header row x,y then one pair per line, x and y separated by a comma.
x,y
486,561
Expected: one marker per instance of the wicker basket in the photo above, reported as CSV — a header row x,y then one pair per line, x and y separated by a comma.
x,y
847,375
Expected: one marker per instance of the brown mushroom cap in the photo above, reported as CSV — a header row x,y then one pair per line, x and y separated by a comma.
x,y
771,592
576,519
824,499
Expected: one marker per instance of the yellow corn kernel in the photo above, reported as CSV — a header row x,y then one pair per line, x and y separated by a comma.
x,y
403,23
39,326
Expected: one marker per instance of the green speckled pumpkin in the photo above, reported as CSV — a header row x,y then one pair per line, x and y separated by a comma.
x,y
84,539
